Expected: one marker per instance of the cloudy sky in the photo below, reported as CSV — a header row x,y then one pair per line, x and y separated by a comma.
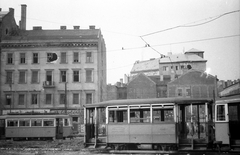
x,y
166,25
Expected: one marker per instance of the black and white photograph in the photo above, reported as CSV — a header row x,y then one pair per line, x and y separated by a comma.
x,y
82,77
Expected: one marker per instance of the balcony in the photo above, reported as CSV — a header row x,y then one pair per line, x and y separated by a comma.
x,y
48,84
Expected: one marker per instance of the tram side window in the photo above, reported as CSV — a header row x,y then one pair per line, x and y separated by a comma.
x,y
117,116
221,113
48,122
12,123
24,122
140,115
36,122
66,122
163,115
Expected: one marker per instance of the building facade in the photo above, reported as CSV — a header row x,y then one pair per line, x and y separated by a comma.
x,y
52,70
166,69
193,84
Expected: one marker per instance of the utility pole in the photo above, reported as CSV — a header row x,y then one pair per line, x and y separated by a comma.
x,y
65,103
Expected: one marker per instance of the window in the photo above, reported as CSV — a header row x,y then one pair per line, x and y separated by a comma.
x,y
34,98
66,122
10,58
179,92
89,98
162,115
35,58
75,98
48,122
188,92
63,76
76,76
35,76
62,99
48,98
22,58
51,57
139,115
89,75
233,112
165,68
75,119
118,116
8,99
21,99
63,57
24,122
89,58
221,113
36,122
76,57
22,77
9,78
176,68
12,123
49,77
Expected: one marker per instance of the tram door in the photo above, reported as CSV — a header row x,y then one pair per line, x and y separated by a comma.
x,y
192,124
95,125
90,125
234,122
59,128
2,128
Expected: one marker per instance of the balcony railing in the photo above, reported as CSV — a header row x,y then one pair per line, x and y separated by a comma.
x,y
48,84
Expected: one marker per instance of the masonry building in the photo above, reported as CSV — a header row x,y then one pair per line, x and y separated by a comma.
x,y
51,70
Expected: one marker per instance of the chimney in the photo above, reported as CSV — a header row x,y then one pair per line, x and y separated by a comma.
x,y
63,27
37,27
92,27
23,16
76,27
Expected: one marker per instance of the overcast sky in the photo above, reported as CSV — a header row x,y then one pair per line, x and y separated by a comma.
x,y
208,25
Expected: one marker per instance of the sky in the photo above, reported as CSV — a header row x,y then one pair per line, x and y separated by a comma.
x,y
175,26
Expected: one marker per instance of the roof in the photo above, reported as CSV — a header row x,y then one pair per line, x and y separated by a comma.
x,y
141,74
2,14
147,101
34,116
193,50
55,34
153,64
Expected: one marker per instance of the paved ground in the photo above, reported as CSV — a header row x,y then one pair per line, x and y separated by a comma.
x,y
37,147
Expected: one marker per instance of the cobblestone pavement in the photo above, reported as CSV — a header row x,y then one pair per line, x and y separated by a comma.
x,y
37,147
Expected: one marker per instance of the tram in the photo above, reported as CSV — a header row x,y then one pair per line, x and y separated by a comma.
x,y
158,123
227,121
35,125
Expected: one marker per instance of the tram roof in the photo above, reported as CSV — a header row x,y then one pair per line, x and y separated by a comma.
x,y
228,99
32,116
148,101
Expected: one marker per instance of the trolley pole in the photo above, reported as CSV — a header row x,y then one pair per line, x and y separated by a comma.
x,y
65,98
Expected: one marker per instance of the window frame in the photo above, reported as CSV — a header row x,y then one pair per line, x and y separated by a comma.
x,y
63,58
225,113
74,101
76,71
37,76
76,56
22,80
22,95
10,60
46,99
35,57
22,58
32,99
89,78
89,59
9,78
63,75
